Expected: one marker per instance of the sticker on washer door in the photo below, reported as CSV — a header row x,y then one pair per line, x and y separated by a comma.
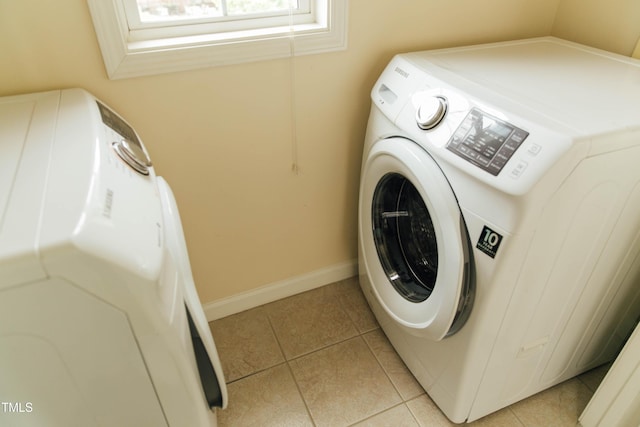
x,y
489,242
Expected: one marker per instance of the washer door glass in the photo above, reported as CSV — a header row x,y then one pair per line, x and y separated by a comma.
x,y
405,238
414,244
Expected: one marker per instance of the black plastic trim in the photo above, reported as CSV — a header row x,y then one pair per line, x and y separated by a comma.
x,y
208,378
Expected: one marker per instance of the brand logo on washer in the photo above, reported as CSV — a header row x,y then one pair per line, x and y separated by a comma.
x,y
489,242
402,72
108,203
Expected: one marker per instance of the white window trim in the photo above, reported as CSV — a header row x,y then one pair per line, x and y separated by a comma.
x,y
124,57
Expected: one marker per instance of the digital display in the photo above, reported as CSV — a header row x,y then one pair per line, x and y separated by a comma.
x,y
486,141
112,120
491,127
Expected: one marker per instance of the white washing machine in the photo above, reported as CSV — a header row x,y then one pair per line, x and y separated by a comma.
x,y
499,216
100,322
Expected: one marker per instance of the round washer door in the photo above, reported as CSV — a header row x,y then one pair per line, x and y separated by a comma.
x,y
414,240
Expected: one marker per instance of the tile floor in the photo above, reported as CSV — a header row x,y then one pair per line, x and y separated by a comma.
x,y
320,359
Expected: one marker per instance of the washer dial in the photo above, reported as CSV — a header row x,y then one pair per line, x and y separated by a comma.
x,y
431,111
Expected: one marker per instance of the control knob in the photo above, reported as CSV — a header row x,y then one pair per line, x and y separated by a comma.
x,y
431,111
133,155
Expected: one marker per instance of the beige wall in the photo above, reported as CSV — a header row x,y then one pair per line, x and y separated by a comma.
x,y
612,25
223,136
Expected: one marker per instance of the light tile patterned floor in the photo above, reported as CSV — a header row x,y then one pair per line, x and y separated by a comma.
x,y
320,359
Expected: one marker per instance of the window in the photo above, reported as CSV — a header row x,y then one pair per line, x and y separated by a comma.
x,y
141,37
152,19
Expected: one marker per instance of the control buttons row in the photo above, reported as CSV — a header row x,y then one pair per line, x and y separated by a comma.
x,y
486,141
507,150
519,168
534,149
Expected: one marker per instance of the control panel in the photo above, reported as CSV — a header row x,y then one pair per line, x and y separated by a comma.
x,y
466,125
486,141
128,146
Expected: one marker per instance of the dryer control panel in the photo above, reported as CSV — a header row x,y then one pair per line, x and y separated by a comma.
x,y
128,146
486,141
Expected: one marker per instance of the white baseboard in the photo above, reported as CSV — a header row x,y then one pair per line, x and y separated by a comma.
x,y
278,290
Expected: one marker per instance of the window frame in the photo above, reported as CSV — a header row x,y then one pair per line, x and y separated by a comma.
x,y
130,53
216,24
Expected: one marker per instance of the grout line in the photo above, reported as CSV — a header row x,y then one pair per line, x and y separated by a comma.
x,y
418,423
341,341
273,331
373,353
385,410
515,415
259,371
325,347
413,415
304,401
287,362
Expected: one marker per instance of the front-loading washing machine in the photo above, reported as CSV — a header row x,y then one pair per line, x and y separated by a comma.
x,y
499,216
100,322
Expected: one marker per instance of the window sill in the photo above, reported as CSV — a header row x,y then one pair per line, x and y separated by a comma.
x,y
125,58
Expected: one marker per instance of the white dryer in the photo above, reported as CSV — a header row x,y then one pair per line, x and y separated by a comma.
x,y
499,216
100,322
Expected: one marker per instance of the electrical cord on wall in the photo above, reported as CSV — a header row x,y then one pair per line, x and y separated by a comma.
x,y
295,166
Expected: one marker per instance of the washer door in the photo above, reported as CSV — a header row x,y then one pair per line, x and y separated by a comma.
x,y
414,240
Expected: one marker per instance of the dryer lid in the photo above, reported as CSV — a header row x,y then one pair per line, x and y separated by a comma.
x,y
27,125
14,124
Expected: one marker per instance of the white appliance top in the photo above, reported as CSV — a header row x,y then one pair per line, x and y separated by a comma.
x,y
505,113
27,126
15,119
65,184
588,89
